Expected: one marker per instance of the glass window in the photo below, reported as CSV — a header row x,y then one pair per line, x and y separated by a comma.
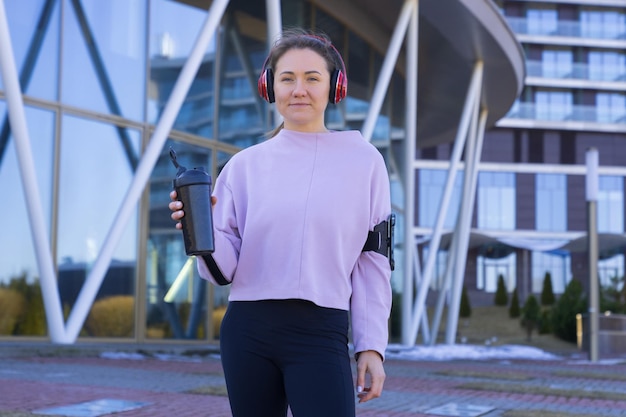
x,y
431,187
95,173
20,291
104,56
607,65
176,296
611,204
611,107
542,21
496,200
551,202
558,266
610,270
554,105
18,255
489,269
557,63
604,24
34,30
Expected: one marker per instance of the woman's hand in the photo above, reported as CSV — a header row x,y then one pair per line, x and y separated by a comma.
x,y
369,362
177,208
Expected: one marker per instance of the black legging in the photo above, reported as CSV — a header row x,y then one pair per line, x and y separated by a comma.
x,y
286,353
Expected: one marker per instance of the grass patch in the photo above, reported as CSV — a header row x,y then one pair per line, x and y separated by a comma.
x,y
219,390
542,390
541,413
587,375
509,376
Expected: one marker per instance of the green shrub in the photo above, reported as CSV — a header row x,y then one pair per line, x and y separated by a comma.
x,y
12,306
112,317
502,297
545,323
514,308
33,321
531,315
465,309
547,294
572,302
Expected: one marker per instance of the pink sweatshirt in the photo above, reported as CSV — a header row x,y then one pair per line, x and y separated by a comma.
x,y
291,219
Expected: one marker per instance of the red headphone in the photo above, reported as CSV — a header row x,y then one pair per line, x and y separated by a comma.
x,y
338,79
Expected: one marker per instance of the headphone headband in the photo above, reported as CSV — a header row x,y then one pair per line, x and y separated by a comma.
x,y
338,80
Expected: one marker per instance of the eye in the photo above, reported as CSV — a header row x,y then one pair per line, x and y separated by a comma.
x,y
286,78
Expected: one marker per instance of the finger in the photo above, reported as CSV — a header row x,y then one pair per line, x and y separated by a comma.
x,y
173,195
213,201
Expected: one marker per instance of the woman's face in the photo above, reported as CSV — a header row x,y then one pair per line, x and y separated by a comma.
x,y
301,88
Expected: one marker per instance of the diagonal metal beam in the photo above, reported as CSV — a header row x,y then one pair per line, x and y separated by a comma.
x,y
391,57
29,66
105,81
433,248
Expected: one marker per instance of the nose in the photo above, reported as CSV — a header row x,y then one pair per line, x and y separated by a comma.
x,y
299,88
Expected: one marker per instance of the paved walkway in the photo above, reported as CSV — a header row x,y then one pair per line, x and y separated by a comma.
x,y
37,379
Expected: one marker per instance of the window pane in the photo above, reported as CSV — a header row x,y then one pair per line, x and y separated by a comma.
x,y
496,200
106,74
95,173
16,242
551,202
431,188
174,28
34,30
611,204
176,296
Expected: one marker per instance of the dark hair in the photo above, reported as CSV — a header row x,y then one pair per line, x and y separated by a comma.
x,y
297,38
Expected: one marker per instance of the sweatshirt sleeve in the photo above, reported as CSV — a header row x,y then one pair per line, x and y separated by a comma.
x,y
370,304
227,236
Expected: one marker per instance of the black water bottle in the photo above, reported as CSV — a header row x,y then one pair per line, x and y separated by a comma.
x,y
193,187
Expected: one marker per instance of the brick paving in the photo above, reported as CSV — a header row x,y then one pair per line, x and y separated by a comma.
x,y
40,376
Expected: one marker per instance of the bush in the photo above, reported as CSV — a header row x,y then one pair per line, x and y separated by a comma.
x,y
33,321
502,297
572,302
547,294
545,325
12,307
514,309
465,309
531,315
112,317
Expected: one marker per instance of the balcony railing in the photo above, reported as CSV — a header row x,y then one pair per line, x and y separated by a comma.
x,y
575,113
578,71
524,26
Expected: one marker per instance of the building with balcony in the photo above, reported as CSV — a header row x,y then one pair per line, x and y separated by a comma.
x,y
531,210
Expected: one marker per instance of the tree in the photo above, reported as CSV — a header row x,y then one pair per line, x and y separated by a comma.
x,y
465,309
502,297
572,302
547,294
531,315
514,308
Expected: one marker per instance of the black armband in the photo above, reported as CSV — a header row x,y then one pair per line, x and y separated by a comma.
x,y
381,239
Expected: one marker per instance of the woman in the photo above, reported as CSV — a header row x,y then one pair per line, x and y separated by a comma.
x,y
291,217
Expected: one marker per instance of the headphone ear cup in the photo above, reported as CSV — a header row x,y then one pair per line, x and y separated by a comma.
x,y
338,87
265,85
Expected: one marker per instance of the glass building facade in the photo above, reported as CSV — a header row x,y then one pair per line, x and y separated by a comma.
x,y
531,188
96,76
